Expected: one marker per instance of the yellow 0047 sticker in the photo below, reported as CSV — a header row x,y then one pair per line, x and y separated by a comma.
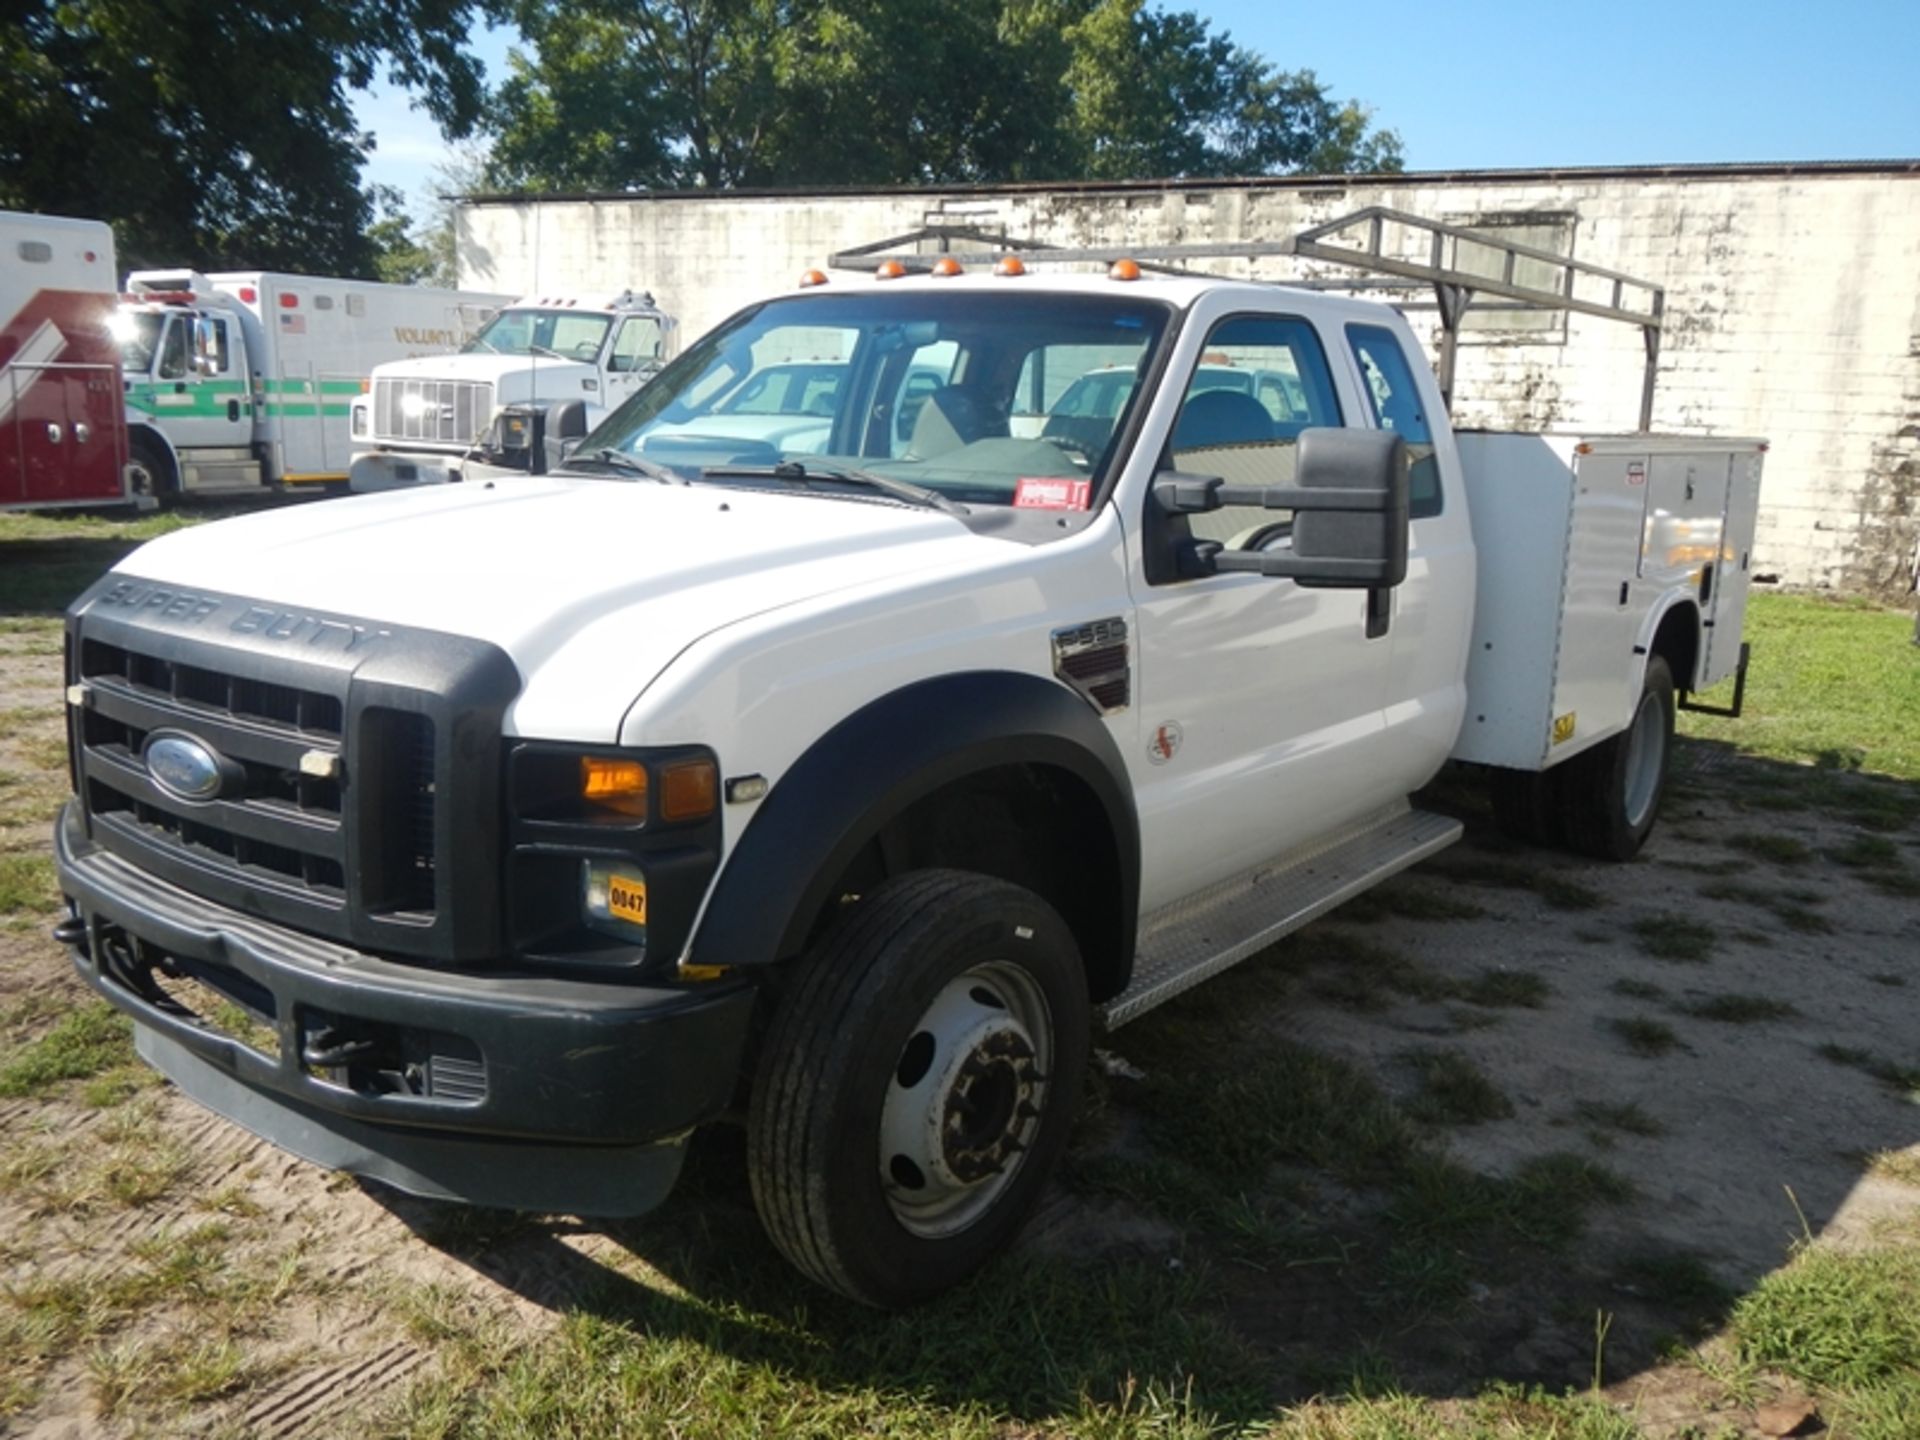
x,y
627,899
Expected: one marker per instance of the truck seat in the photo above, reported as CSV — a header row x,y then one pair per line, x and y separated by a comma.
x,y
950,417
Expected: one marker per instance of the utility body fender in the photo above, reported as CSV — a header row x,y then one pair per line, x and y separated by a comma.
x,y
1685,661
871,767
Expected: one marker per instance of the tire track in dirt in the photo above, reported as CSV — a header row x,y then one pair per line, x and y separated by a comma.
x,y
311,1401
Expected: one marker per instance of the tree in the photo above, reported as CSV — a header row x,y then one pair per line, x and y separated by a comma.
x,y
407,252
630,94
216,132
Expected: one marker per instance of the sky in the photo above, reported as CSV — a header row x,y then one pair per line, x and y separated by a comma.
x,y
1503,84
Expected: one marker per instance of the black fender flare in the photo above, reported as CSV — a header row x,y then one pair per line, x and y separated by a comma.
x,y
877,762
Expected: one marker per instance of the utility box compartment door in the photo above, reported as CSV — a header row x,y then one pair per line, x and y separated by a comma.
x,y
1732,573
1558,525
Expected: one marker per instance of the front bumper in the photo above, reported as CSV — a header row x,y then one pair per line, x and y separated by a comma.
x,y
402,470
520,1090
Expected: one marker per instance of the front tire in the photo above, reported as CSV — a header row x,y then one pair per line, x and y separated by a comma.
x,y
150,472
1612,792
917,1085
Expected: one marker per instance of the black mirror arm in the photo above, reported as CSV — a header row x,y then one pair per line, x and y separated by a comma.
x,y
1179,494
1325,572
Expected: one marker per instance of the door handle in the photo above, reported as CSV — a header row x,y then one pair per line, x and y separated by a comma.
x,y
81,432
233,409
53,433
179,387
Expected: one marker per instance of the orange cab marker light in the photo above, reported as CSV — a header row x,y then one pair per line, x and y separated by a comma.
x,y
813,277
1123,270
1009,265
890,270
946,265
616,785
689,790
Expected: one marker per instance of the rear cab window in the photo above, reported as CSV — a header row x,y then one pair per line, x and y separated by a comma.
x,y
1393,396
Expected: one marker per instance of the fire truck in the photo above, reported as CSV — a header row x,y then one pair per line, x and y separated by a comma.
x,y
62,438
244,379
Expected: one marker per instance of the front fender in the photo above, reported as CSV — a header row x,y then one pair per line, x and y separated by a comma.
x,y
876,763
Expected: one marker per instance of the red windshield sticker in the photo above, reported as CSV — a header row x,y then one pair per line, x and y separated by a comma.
x,y
1049,494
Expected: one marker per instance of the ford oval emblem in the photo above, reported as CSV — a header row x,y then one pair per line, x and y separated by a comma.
x,y
184,767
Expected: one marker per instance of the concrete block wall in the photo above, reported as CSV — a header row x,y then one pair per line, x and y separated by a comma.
x,y
1792,302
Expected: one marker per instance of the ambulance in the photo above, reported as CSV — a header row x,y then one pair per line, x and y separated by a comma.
x,y
244,379
62,438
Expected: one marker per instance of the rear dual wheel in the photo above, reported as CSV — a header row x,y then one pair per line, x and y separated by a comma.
x,y
917,1085
1604,801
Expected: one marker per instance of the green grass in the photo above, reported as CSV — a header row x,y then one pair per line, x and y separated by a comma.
x,y
1833,684
1837,1319
1674,937
1904,1079
1644,1036
89,1040
1771,845
1506,989
46,560
1399,899
1737,1009
1608,1118
1560,891
1637,989
1454,1091
27,885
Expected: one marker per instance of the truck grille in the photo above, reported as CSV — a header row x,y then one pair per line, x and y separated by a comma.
x,y
448,412
278,828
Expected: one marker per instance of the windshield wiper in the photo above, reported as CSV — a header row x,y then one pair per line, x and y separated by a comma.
x,y
797,471
620,460
533,349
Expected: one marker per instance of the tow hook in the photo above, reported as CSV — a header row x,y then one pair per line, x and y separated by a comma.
x,y
327,1048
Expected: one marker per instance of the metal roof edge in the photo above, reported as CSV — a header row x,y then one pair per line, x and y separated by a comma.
x,y
1735,169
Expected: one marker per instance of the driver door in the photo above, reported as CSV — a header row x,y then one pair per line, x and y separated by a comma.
x,y
1260,701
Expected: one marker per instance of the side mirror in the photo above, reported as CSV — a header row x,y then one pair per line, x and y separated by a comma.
x,y
563,427
1349,513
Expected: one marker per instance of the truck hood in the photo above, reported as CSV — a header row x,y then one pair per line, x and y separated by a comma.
x,y
591,586
513,377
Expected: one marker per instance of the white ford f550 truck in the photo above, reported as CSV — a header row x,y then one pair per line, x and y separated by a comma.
x,y
484,410
852,789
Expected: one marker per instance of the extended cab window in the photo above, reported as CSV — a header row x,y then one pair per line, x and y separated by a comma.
x,y
1261,380
1395,400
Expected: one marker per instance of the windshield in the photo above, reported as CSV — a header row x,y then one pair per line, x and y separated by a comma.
x,y
570,334
138,333
967,394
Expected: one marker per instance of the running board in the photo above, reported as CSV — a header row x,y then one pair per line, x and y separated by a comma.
x,y
1195,939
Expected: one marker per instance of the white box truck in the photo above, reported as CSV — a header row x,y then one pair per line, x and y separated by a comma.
x,y
244,379
855,787
485,411
63,441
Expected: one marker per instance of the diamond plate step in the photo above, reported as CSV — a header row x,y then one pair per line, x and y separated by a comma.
x,y
1196,938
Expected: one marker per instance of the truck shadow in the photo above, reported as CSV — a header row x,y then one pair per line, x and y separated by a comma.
x,y
1653,1079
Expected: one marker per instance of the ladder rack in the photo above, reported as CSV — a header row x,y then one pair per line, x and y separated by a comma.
x,y
1434,259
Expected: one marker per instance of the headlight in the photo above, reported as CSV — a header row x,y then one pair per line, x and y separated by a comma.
x,y
609,851
613,899
358,410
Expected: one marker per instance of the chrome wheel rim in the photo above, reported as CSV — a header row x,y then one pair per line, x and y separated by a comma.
x,y
964,1100
1646,759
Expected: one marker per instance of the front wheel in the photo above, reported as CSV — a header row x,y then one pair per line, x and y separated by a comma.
x,y
1612,793
150,472
917,1085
